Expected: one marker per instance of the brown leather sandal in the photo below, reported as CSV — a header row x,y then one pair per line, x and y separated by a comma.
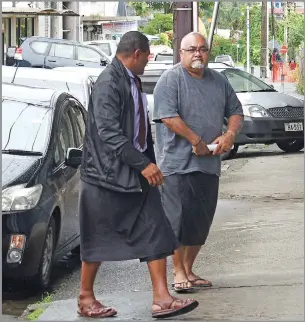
x,y
95,310
173,307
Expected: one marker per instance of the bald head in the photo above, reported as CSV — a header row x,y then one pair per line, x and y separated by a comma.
x,y
194,53
191,38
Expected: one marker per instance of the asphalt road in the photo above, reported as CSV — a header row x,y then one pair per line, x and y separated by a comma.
x,y
253,256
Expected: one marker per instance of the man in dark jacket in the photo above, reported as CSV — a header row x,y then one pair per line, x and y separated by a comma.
x,y
121,216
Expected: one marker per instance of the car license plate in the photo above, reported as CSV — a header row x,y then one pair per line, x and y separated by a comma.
x,y
295,127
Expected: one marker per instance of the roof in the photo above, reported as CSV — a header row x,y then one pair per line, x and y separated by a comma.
x,y
105,19
20,93
91,71
44,74
36,12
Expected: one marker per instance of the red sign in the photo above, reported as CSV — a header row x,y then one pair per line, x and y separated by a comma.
x,y
283,50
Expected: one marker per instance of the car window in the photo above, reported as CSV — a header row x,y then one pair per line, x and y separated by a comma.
x,y
25,126
161,57
65,136
39,47
222,59
78,120
244,82
87,54
104,47
62,51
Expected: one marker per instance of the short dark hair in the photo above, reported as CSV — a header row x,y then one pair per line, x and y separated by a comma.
x,y
131,41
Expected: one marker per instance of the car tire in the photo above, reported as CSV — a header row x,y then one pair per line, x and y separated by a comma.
x,y
42,278
291,145
233,151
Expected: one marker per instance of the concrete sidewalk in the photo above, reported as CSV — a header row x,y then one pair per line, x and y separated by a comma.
x,y
254,258
254,254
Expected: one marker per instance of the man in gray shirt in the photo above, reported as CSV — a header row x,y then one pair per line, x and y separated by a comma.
x,y
190,104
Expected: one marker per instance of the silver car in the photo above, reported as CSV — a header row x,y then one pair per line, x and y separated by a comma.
x,y
270,116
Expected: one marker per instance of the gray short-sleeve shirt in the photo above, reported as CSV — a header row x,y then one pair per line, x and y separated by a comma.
x,y
202,104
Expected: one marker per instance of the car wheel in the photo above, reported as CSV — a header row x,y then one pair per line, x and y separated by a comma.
x,y
291,145
42,279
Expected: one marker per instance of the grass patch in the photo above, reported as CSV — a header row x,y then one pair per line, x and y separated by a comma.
x,y
39,307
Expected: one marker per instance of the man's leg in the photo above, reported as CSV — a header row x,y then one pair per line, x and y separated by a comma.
x,y
88,274
190,254
88,306
180,276
162,299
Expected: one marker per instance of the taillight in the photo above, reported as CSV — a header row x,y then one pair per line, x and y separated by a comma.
x,y
18,54
151,57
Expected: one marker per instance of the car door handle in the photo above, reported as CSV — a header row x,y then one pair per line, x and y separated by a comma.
x,y
79,64
52,61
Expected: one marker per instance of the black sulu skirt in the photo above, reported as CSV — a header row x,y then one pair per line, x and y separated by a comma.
x,y
116,226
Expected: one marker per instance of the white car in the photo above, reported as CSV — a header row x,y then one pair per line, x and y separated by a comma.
x,y
226,59
78,83
108,47
270,116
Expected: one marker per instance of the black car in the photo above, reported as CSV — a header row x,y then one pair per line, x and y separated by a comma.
x,y
42,137
41,52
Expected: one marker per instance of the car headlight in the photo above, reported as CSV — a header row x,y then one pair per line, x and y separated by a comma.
x,y
19,198
255,111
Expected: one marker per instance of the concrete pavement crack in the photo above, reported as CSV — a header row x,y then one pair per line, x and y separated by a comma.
x,y
253,286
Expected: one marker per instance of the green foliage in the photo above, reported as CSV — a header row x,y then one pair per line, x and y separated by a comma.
x,y
141,8
144,9
222,46
36,313
160,23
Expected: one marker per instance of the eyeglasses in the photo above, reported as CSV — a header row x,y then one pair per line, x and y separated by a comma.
x,y
193,50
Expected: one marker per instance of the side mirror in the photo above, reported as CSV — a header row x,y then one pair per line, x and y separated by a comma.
x,y
10,53
73,158
104,62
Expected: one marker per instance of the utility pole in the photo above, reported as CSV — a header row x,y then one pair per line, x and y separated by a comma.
x,y
183,24
264,40
268,37
272,25
213,24
248,38
285,10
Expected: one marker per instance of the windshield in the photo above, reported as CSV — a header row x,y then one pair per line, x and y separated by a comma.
x,y
222,59
75,89
25,127
245,82
161,57
104,47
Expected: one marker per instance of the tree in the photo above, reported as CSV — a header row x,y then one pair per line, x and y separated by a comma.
x,y
264,40
160,23
229,16
143,9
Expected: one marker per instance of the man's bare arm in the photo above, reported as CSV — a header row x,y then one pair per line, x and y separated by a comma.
x,y
234,124
178,126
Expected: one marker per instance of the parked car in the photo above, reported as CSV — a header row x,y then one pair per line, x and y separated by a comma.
x,y
78,83
41,52
167,57
226,59
270,116
42,137
108,47
93,73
